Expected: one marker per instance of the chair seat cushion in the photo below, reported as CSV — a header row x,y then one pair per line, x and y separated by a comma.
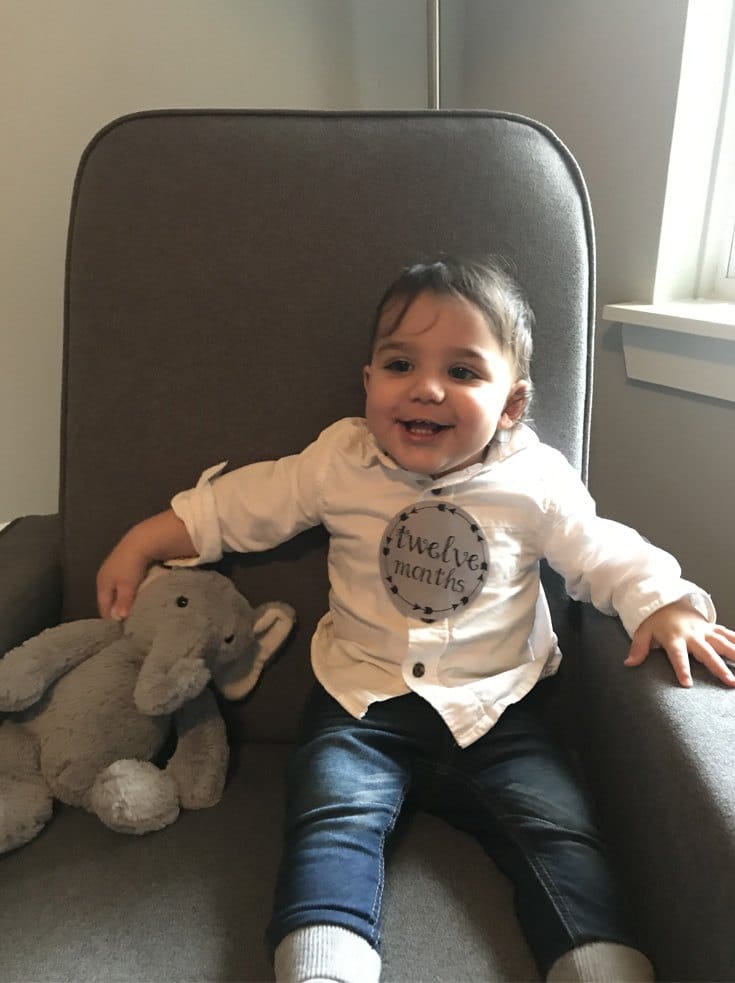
x,y
192,901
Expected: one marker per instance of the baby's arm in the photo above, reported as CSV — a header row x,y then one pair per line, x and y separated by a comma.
x,y
612,566
682,632
160,538
254,508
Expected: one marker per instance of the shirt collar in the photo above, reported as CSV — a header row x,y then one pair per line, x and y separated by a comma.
x,y
505,444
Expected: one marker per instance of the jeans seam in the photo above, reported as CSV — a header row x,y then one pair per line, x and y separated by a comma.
x,y
540,870
379,890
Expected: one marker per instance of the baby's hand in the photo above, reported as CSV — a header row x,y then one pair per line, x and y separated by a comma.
x,y
682,632
159,538
118,581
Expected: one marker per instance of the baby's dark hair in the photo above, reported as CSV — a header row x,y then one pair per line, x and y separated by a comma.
x,y
487,285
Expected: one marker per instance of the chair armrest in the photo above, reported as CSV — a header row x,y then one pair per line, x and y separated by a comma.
x,y
30,578
660,762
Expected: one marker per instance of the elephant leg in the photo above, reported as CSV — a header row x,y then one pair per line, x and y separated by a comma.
x,y
71,781
199,763
26,804
134,797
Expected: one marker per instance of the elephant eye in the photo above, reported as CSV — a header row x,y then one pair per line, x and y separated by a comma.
x,y
182,601
229,640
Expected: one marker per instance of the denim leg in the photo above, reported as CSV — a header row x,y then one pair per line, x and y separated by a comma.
x,y
345,787
515,791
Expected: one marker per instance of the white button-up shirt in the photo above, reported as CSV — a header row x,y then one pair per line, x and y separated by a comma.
x,y
529,503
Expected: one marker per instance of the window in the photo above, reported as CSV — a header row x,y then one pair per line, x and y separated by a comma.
x,y
685,337
717,275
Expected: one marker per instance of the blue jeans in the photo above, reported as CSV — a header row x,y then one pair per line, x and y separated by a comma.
x,y
512,790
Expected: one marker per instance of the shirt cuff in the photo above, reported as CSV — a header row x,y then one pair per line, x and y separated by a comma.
x,y
197,509
701,602
694,596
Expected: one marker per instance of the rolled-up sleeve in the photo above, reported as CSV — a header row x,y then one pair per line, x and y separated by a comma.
x,y
256,507
610,564
197,509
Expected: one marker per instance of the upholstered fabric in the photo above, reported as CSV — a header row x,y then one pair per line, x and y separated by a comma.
x,y
226,265
192,902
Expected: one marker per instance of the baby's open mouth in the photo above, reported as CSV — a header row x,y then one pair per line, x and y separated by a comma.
x,y
425,427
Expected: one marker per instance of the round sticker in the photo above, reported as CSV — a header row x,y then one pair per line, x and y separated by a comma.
x,y
433,560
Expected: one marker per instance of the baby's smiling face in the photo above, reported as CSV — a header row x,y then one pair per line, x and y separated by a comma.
x,y
439,386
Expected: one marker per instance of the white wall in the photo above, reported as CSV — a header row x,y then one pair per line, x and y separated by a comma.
x,y
604,76
69,67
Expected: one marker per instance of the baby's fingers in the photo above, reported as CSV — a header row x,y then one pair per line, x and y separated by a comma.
x,y
641,646
678,655
105,598
115,597
713,652
720,635
123,600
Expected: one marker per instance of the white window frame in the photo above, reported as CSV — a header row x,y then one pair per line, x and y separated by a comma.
x,y
684,337
717,268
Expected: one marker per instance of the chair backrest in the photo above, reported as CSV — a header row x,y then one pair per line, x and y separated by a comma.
x,y
222,272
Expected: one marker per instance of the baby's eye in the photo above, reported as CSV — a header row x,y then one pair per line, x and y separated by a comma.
x,y
398,365
462,373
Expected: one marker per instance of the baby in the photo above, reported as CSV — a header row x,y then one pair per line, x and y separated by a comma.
x,y
431,660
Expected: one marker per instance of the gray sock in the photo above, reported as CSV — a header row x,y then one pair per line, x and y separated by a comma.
x,y
326,954
601,962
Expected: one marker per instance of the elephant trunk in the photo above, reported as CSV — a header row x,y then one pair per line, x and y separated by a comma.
x,y
175,669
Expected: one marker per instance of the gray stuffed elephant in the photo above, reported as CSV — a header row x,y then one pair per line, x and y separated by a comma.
x,y
92,702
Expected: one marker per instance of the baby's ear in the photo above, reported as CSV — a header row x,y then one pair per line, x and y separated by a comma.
x,y
515,404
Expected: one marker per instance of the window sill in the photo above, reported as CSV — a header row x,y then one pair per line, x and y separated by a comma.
x,y
683,344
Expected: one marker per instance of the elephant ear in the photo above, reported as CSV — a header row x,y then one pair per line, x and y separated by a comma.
x,y
273,623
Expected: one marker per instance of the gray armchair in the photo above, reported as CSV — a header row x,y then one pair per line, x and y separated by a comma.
x,y
222,270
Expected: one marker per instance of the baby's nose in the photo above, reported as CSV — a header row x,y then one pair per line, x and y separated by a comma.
x,y
428,388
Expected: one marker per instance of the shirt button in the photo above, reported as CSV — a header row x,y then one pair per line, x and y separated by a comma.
x,y
418,670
